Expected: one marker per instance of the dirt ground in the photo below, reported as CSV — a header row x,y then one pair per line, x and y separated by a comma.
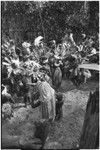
x,y
65,133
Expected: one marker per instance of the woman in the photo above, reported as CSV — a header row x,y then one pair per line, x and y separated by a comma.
x,y
57,78
47,98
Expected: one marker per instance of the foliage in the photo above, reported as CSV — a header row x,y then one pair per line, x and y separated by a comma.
x,y
49,19
6,110
19,115
14,69
24,21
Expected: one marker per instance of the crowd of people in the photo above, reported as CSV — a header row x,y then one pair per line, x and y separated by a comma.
x,y
52,64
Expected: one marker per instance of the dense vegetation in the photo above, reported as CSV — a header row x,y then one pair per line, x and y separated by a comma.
x,y
26,20
39,37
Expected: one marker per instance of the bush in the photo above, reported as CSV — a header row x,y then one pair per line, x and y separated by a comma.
x,y
6,110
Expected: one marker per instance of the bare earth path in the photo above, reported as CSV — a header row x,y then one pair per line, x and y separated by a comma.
x,y
64,134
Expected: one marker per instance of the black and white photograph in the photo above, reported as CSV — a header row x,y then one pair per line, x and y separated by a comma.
x,y
49,75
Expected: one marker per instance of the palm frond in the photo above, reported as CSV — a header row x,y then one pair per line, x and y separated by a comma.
x,y
8,60
4,63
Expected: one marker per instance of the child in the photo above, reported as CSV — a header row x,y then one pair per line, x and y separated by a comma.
x,y
59,103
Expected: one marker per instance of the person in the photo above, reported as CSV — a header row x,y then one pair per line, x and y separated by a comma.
x,y
45,71
26,89
47,107
59,103
57,78
46,66
47,98
48,79
87,74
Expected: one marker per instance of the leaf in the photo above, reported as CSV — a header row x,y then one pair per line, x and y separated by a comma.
x,y
4,63
7,60
89,66
38,40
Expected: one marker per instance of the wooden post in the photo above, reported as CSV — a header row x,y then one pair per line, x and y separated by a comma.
x,y
90,132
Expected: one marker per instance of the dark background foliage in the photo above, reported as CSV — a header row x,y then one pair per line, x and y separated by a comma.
x,y
25,20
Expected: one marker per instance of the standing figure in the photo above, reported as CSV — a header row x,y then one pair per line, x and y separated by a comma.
x,y
26,90
59,103
57,78
52,67
47,99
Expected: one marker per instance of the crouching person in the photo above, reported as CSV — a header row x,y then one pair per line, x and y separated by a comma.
x,y
59,103
42,130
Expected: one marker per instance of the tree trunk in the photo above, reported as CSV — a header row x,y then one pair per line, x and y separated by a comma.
x,y
90,132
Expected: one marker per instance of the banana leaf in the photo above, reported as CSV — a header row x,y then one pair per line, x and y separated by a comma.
x,y
89,66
